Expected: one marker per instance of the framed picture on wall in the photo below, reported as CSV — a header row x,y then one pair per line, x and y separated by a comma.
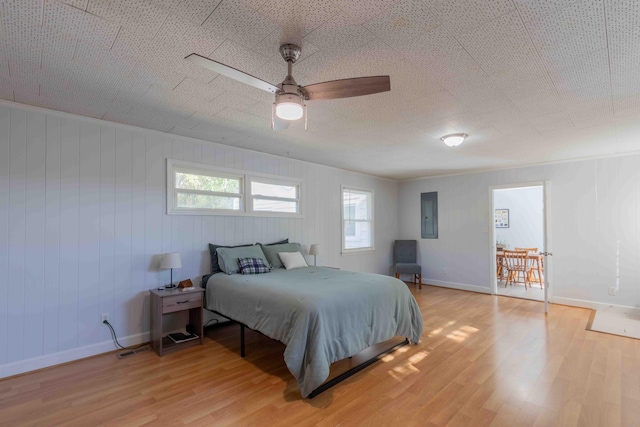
x,y
502,218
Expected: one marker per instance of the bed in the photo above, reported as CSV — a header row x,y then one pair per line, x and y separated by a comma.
x,y
322,315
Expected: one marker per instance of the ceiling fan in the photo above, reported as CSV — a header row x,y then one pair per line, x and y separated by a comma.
x,y
290,99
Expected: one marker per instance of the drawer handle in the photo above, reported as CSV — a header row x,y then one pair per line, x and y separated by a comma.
x,y
182,302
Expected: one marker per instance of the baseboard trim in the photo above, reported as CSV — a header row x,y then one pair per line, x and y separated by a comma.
x,y
17,368
627,309
459,286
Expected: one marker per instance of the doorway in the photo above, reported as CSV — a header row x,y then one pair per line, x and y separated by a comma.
x,y
518,240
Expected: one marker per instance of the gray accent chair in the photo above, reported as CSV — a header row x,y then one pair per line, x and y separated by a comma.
x,y
405,260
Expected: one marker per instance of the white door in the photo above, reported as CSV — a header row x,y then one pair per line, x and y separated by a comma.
x,y
546,252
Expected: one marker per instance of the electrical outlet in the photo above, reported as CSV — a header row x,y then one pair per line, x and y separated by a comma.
x,y
612,291
103,317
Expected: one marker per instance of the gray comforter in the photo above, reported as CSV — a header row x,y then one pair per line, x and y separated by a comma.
x,y
322,315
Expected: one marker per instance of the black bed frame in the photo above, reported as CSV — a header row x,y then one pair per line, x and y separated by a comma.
x,y
326,385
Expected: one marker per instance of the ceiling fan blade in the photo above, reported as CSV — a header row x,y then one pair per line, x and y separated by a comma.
x,y
231,72
347,88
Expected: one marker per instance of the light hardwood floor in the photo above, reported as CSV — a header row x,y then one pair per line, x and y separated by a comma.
x,y
483,360
533,292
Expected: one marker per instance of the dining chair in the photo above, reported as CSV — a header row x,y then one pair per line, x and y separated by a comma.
x,y
526,249
501,267
536,273
405,260
518,267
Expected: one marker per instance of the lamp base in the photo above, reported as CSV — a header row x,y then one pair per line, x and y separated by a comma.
x,y
171,285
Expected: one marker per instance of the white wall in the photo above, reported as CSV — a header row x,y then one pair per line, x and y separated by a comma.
x,y
525,217
83,221
594,225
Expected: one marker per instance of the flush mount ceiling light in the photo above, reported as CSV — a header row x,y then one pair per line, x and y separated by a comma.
x,y
454,139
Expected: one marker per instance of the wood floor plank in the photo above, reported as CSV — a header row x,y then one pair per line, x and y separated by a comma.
x,y
483,360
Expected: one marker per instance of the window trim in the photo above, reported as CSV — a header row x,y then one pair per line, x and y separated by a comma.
x,y
371,221
173,191
246,200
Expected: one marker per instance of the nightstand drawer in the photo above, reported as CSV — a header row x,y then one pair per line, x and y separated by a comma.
x,y
181,302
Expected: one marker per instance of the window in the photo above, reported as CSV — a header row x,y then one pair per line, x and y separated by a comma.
x,y
194,190
350,227
197,189
357,220
274,196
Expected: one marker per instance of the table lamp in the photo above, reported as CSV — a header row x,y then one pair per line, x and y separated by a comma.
x,y
171,260
314,250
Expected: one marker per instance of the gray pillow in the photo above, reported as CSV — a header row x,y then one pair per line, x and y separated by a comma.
x,y
215,266
228,257
275,243
271,252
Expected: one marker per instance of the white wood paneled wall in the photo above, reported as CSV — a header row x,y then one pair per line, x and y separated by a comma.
x,y
83,222
594,224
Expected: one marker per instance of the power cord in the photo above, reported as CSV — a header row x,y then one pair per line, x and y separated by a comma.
x,y
209,321
115,338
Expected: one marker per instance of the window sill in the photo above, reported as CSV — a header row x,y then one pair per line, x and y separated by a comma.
x,y
357,252
206,212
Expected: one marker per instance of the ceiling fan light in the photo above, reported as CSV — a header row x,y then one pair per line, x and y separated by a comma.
x,y
289,106
289,111
454,139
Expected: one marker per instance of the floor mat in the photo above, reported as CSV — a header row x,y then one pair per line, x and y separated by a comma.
x,y
610,322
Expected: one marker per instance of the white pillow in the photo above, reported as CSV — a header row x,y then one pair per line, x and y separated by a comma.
x,y
292,260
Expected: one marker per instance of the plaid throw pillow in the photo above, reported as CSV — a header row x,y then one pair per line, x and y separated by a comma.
x,y
252,266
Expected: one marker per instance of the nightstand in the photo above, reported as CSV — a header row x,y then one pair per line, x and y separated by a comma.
x,y
173,301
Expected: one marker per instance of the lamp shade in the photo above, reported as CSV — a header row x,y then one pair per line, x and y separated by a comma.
x,y
314,249
171,260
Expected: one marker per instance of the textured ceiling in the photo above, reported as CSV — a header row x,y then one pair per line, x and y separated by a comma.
x,y
530,81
